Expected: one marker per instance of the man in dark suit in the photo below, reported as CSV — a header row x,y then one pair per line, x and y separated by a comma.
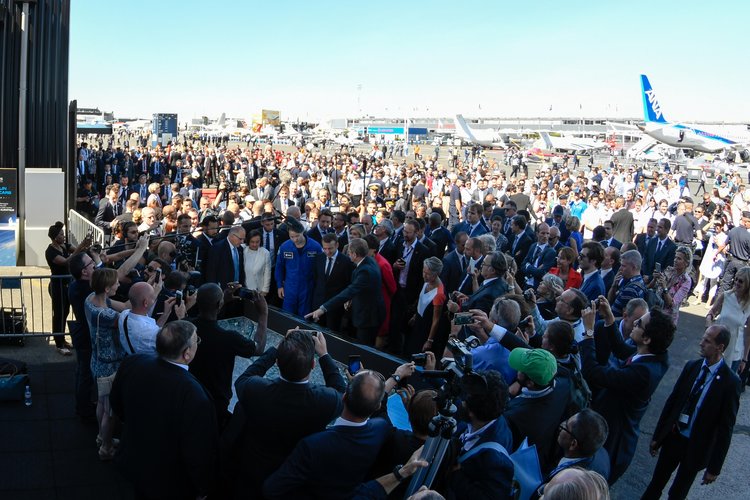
x,y
225,261
610,267
455,264
332,274
273,415
609,237
340,230
157,169
625,391
473,257
383,232
214,363
332,463
643,239
661,250
695,427
557,221
368,308
109,209
590,261
423,239
206,240
407,270
473,225
519,243
539,260
493,269
439,234
169,419
322,227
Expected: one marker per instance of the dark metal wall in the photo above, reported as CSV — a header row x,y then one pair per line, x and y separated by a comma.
x,y
47,108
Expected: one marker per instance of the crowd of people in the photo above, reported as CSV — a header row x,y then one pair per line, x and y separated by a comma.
x,y
568,284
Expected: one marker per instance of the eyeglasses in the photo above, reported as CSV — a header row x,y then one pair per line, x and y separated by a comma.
x,y
563,427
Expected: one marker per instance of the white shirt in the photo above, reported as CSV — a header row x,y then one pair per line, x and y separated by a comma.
x,y
142,332
257,269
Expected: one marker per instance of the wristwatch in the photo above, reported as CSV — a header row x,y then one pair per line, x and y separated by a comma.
x,y
396,377
588,333
396,474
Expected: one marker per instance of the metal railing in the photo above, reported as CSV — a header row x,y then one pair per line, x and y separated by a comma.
x,y
79,226
27,306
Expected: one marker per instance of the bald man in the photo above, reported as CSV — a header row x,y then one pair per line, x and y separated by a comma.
x,y
137,328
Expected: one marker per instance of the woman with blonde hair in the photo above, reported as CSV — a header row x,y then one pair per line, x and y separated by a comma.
x,y
732,309
673,285
154,200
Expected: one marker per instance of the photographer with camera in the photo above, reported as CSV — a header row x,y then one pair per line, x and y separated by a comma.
x,y
214,362
273,414
484,468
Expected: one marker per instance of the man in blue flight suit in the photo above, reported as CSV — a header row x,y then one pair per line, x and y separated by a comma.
x,y
295,262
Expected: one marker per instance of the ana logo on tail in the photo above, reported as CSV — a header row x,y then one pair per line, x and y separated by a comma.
x,y
655,107
651,108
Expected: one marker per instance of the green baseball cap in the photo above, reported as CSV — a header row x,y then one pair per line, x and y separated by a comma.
x,y
538,364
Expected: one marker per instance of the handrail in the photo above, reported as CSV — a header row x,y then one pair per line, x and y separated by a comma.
x,y
79,226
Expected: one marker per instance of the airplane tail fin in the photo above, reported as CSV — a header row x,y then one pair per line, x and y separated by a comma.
x,y
222,119
462,129
651,107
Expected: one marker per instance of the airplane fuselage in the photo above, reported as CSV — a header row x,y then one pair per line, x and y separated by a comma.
x,y
680,136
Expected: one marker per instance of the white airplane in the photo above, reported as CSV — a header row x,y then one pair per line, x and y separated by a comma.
x,y
487,137
560,142
684,136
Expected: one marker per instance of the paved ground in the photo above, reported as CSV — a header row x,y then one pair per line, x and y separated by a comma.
x,y
49,454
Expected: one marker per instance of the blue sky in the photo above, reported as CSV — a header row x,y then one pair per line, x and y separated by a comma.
x,y
415,58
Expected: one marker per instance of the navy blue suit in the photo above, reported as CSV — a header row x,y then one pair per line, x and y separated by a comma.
x,y
443,241
330,464
547,259
710,436
368,308
624,392
220,268
452,273
479,230
169,430
485,295
272,415
594,286
665,256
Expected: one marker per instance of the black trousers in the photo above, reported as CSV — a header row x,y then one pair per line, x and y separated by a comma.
x,y
366,335
58,291
672,452
85,390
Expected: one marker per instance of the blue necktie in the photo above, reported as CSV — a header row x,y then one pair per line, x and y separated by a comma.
x,y
236,260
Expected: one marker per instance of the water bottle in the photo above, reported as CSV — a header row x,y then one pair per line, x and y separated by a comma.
x,y
27,396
